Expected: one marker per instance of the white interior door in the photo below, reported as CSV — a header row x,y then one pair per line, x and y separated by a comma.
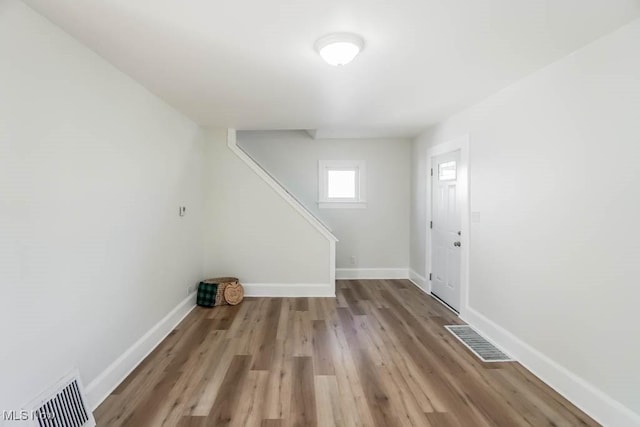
x,y
445,229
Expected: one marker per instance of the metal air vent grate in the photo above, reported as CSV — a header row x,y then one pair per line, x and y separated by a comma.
x,y
63,405
475,342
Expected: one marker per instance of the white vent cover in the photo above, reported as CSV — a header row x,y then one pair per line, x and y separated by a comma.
x,y
483,349
63,405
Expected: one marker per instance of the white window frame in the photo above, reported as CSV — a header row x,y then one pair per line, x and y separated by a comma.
x,y
359,167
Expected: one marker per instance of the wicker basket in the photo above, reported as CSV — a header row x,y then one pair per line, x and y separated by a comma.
x,y
220,284
234,293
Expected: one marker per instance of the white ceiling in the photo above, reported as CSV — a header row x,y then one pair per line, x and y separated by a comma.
x,y
250,64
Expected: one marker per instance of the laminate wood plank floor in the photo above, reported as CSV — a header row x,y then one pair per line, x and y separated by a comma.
x,y
376,355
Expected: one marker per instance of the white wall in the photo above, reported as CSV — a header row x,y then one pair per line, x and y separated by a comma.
x,y
377,236
92,171
252,233
554,175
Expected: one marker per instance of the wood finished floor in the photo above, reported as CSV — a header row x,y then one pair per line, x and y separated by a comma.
x,y
377,355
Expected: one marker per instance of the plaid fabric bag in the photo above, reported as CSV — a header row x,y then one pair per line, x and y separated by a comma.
x,y
207,292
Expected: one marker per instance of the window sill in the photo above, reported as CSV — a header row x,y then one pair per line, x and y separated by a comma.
x,y
342,205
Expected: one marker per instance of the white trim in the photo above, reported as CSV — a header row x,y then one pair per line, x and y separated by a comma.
x,y
332,266
461,144
420,287
102,386
420,281
294,290
371,273
277,187
342,205
590,399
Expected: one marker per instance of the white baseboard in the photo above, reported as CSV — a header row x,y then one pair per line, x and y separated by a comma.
x,y
110,378
593,401
371,273
289,290
419,280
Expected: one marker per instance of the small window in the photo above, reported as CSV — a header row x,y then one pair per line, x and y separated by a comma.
x,y
341,184
447,171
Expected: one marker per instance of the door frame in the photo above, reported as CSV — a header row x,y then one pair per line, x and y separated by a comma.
x,y
461,144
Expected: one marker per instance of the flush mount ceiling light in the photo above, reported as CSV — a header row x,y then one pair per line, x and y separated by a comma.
x,y
339,48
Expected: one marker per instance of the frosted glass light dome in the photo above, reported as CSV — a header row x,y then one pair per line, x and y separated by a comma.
x,y
339,48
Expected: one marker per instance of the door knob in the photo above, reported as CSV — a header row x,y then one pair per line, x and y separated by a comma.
x,y
456,244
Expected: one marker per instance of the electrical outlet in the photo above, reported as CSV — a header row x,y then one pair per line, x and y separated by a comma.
x,y
352,260
191,289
